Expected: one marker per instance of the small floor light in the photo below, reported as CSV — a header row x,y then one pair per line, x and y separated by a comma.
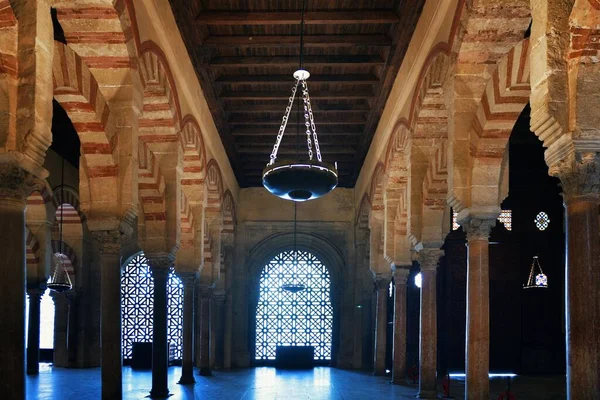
x,y
539,280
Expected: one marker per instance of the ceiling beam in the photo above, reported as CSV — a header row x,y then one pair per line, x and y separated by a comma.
x,y
294,41
292,61
278,109
325,94
335,130
294,17
289,79
347,120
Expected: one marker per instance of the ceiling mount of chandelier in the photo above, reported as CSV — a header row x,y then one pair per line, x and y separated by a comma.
x,y
300,179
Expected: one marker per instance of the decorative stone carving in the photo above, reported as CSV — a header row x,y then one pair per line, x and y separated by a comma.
x,y
579,174
17,183
478,229
109,241
382,281
160,263
401,274
430,258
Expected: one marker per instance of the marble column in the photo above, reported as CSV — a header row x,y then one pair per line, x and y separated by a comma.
x,y
477,350
159,266
205,298
399,358
219,328
382,284
109,245
428,260
15,185
33,335
61,322
580,181
187,365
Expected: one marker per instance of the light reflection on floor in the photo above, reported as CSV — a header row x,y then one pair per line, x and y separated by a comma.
x,y
267,383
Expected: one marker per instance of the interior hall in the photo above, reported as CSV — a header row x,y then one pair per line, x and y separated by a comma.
x,y
300,199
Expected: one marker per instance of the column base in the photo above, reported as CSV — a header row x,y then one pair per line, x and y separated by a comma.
x,y
429,395
159,394
187,380
204,371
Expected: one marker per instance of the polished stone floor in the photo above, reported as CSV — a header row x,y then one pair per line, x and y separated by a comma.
x,y
265,383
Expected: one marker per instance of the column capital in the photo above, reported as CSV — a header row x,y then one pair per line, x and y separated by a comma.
x,y
401,274
478,228
188,278
429,258
382,281
160,264
579,174
109,241
17,183
36,292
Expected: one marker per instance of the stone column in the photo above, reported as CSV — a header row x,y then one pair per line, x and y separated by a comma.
x,y
399,358
61,322
382,283
109,245
15,185
187,367
159,266
205,297
477,350
428,259
219,328
580,180
33,336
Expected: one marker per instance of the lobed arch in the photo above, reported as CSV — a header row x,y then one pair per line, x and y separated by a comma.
x,y
77,91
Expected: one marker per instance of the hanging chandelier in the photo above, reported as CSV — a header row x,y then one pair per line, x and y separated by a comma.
x,y
536,280
60,280
300,180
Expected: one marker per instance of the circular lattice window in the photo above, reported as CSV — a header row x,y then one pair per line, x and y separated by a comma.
x,y
542,221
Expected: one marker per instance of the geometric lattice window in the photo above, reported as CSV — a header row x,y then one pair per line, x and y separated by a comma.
x,y
542,220
506,218
137,306
455,224
285,318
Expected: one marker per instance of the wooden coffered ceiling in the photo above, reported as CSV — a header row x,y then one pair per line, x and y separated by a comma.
x,y
245,52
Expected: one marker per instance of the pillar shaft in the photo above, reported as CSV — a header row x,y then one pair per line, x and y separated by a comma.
x,y
583,297
219,329
428,259
15,185
110,303
477,351
382,283
160,348
187,367
205,294
399,358
33,334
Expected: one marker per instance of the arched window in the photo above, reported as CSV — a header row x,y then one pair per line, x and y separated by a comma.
x,y
46,321
137,306
294,318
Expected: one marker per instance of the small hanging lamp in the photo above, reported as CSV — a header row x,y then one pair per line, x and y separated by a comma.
x,y
60,280
536,280
300,180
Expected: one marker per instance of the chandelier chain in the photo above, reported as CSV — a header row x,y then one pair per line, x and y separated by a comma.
x,y
307,119
284,122
310,118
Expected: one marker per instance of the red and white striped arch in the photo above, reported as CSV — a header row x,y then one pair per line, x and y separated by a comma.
x,y
214,186
104,33
228,213
32,251
8,75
